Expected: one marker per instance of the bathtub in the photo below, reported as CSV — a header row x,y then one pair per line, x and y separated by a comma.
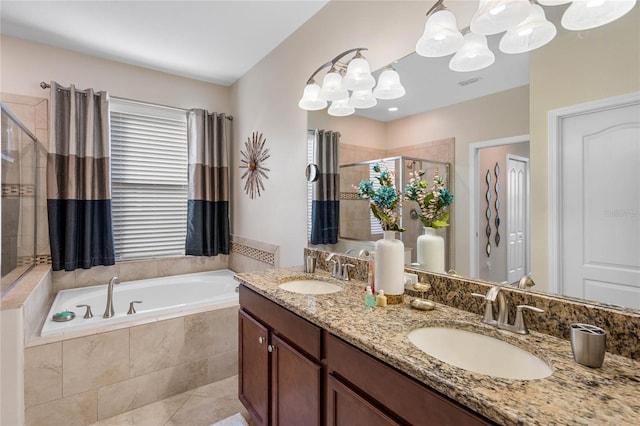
x,y
162,298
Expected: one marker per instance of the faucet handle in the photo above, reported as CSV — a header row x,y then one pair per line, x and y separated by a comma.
x,y
488,309
87,314
345,270
132,309
520,325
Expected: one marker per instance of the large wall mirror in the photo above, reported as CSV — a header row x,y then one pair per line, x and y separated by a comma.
x,y
520,115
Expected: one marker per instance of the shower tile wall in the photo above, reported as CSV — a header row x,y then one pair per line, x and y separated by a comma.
x,y
33,113
80,381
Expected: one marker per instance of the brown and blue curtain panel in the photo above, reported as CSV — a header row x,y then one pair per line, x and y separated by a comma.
x,y
325,203
79,180
208,138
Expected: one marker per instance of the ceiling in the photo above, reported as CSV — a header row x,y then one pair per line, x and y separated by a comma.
x,y
212,41
219,41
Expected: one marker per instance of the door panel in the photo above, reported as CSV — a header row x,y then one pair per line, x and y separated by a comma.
x,y
517,196
296,386
346,408
600,194
253,367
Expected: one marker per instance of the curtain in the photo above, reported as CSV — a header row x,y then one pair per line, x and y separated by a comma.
x,y
325,204
208,206
79,180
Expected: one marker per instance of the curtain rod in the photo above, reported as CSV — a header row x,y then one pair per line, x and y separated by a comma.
x,y
45,85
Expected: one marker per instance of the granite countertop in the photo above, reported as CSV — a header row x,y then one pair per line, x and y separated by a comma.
x,y
573,394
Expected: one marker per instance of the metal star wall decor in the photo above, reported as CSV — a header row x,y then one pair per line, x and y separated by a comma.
x,y
253,157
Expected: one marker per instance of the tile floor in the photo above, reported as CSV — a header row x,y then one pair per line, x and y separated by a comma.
x,y
198,407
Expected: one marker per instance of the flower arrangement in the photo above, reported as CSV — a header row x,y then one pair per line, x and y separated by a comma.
x,y
433,202
385,200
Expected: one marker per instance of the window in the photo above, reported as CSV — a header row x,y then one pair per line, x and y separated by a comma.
x,y
149,179
376,226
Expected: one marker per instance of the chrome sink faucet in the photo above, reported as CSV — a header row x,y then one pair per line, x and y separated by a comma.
x,y
336,269
109,311
493,296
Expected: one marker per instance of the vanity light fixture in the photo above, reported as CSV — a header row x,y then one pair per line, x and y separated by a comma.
x,y
473,55
441,36
496,16
586,14
535,31
349,86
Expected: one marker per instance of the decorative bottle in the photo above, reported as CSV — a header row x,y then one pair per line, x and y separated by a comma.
x,y
430,251
389,265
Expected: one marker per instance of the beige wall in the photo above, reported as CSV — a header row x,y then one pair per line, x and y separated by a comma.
x,y
266,99
576,67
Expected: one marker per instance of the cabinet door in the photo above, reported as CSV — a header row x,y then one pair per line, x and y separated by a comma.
x,y
346,408
295,387
253,367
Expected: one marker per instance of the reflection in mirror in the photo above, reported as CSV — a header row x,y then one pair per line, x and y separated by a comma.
x,y
356,220
519,121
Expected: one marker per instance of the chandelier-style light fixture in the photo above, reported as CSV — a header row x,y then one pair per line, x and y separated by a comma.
x,y
349,86
523,21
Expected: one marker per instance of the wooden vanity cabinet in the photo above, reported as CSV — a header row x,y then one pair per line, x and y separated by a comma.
x,y
280,375
365,391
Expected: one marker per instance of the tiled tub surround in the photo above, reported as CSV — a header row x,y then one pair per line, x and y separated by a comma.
x,y
574,394
82,380
622,325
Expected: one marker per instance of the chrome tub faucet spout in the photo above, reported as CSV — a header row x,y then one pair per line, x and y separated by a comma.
x,y
109,311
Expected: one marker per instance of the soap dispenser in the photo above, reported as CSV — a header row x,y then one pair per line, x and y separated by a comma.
x,y
381,299
369,298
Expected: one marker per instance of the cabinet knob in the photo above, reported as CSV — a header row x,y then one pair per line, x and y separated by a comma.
x,y
271,348
261,340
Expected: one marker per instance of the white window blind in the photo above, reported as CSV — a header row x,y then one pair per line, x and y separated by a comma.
x,y
149,180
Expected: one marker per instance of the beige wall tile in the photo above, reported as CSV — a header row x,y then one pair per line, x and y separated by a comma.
x,y
211,332
94,361
63,280
79,409
96,275
157,345
174,266
189,375
42,374
221,366
127,395
138,270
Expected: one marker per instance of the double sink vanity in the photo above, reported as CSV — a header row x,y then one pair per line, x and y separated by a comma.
x,y
312,352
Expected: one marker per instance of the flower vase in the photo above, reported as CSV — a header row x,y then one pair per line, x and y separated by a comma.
x,y
389,267
430,250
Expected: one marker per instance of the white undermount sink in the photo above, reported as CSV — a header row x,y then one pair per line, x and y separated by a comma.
x,y
479,353
310,286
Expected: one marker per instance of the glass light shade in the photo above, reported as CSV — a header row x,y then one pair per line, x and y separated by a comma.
x,y
586,14
441,36
553,2
311,100
535,31
358,76
362,99
389,86
341,108
496,16
473,55
332,89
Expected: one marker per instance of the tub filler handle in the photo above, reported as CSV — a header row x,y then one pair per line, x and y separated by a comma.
x,y
87,314
132,310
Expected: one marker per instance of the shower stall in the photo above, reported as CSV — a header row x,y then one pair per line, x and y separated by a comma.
x,y
357,223
19,170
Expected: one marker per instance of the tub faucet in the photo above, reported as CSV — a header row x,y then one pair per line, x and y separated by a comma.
x,y
109,311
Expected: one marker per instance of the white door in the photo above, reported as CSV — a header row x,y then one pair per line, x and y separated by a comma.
x,y
517,238
600,202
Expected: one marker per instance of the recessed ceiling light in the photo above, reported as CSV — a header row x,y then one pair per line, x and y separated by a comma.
x,y
392,109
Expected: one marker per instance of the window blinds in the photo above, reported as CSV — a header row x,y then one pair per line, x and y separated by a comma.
x,y
149,180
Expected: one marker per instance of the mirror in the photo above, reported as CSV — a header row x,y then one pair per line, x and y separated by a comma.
x,y
575,68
